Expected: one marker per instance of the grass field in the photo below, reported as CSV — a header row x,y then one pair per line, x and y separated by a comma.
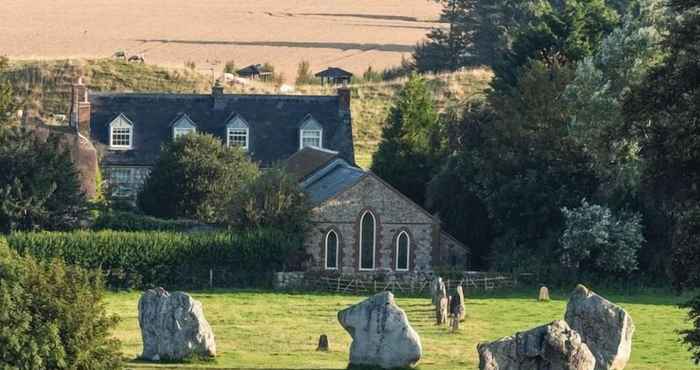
x,y
265,330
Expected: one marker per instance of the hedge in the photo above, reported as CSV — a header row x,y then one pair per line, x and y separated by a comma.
x,y
127,221
169,259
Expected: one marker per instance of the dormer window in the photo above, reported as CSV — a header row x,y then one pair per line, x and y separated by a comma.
x,y
182,126
121,133
238,133
311,133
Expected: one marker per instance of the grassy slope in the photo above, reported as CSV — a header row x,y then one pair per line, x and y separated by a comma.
x,y
47,84
258,330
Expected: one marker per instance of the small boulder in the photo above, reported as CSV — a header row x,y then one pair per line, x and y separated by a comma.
x,y
544,294
606,328
550,347
381,334
322,343
173,327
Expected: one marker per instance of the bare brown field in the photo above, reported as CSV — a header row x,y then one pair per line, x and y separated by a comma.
x,y
351,34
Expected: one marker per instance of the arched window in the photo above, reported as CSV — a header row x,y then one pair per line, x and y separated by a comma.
x,y
368,226
331,250
403,247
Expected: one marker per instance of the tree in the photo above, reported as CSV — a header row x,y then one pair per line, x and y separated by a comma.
x,y
53,316
596,241
8,105
410,148
196,177
558,33
274,199
662,112
39,184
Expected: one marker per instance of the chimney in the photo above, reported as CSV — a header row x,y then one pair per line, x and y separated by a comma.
x,y
80,108
344,98
217,92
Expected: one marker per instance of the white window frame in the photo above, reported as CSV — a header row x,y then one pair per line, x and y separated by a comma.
x,y
122,121
182,131
374,241
304,132
229,132
337,250
408,251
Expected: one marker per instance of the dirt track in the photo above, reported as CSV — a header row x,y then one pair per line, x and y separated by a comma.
x,y
351,34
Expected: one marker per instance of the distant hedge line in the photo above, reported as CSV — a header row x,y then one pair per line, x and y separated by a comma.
x,y
127,221
169,259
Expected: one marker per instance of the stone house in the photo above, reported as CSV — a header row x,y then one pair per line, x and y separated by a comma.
x,y
362,225
128,129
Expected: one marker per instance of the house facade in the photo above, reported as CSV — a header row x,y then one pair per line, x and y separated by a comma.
x,y
128,129
362,225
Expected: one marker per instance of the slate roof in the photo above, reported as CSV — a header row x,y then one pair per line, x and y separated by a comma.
x,y
274,122
307,161
334,72
253,70
331,180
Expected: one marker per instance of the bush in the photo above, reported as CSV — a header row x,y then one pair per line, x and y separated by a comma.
x,y
275,199
169,259
52,316
230,67
128,221
304,76
196,177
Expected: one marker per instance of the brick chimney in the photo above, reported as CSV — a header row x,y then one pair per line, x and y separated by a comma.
x,y
80,108
344,98
217,93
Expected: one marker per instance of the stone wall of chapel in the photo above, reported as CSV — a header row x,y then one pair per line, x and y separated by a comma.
x,y
393,212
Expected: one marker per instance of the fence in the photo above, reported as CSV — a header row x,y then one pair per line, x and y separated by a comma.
x,y
417,286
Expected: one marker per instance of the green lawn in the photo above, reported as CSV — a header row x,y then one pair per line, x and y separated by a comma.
x,y
264,330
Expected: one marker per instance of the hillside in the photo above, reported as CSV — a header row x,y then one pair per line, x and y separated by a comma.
x,y
351,34
46,87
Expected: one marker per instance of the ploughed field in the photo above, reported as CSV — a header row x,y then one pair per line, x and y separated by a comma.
x,y
264,330
351,34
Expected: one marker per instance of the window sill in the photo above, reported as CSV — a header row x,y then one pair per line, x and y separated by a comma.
x,y
120,148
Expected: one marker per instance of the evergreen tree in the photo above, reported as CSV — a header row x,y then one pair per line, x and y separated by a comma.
x,y
410,148
196,177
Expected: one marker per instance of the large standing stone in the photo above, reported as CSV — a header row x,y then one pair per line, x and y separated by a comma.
x,y
550,347
436,288
606,328
173,327
441,308
381,334
544,294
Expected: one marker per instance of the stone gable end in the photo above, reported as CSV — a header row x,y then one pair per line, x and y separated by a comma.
x,y
394,214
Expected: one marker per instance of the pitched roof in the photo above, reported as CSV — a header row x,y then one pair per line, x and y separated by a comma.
x,y
307,161
334,72
274,122
253,69
331,180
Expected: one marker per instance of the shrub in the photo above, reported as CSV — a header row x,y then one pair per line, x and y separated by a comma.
x,y
598,241
128,221
275,199
230,67
169,259
52,316
191,65
196,177
304,76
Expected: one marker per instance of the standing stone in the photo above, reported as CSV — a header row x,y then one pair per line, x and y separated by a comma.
x,y
435,289
323,343
606,328
550,347
460,293
381,334
173,327
441,307
544,294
